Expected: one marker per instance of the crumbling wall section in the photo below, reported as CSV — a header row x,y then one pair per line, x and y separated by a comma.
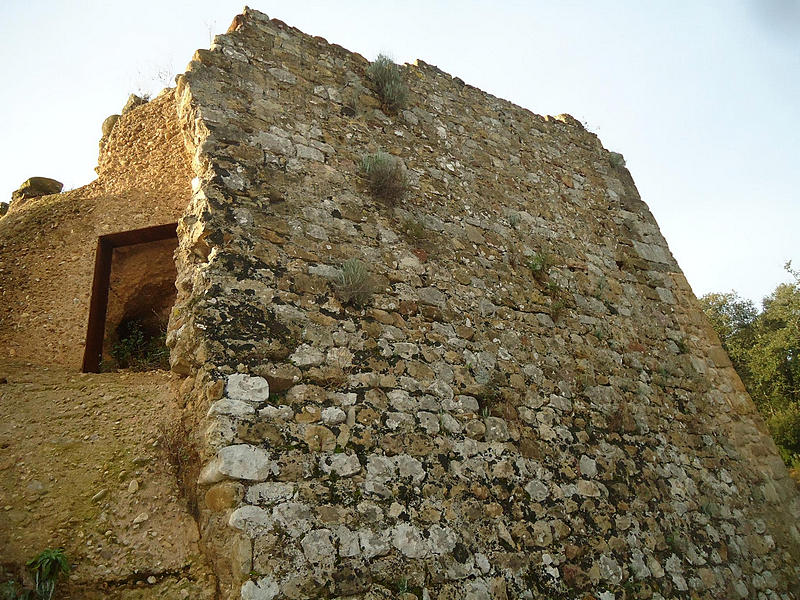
x,y
530,405
47,246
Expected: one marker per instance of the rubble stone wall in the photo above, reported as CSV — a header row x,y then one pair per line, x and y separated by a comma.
x,y
484,427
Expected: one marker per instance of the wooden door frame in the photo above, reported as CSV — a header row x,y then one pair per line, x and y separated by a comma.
x,y
98,306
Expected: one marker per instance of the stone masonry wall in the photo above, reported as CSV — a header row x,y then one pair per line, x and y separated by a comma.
x,y
480,429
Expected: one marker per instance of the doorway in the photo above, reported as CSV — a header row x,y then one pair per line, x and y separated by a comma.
x,y
133,291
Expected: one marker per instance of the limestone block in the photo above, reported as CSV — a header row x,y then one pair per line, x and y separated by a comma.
x,y
373,543
251,519
588,466
232,408
240,461
408,540
333,415
343,465
348,542
537,490
307,356
317,546
247,388
269,493
264,588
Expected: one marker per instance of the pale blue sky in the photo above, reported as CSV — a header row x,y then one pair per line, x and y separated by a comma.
x,y
702,97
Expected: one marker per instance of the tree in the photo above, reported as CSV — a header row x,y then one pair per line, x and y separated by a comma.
x,y
765,350
774,359
733,319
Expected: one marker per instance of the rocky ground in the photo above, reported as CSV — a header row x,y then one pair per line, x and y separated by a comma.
x,y
82,466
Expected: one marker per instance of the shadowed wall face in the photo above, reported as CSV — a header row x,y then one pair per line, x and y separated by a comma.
x,y
530,404
141,293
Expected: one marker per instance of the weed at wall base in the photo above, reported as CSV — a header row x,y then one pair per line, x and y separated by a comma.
x,y
46,568
181,454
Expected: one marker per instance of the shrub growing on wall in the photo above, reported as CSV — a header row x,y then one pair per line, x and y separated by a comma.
x,y
387,81
353,284
386,176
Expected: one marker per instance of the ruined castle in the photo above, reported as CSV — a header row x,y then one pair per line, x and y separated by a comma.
x,y
529,403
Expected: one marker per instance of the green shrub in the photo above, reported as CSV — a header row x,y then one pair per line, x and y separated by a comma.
x,y
386,176
387,81
138,350
354,284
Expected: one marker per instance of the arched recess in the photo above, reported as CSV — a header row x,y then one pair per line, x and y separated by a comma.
x,y
151,296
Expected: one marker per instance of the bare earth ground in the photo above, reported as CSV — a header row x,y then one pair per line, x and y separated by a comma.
x,y
81,468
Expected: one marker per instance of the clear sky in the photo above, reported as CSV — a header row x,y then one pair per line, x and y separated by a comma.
x,y
701,96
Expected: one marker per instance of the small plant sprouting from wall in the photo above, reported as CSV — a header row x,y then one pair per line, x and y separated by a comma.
x,y
557,308
47,567
415,232
353,284
540,264
387,81
559,299
386,176
351,105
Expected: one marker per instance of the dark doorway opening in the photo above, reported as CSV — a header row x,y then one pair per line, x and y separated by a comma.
x,y
133,292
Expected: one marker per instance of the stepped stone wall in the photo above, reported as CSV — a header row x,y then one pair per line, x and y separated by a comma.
x,y
482,428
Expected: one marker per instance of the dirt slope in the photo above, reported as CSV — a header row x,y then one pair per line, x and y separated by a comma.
x,y
81,467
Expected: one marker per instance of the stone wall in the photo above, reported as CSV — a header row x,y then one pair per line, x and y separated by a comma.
x,y
485,427
47,246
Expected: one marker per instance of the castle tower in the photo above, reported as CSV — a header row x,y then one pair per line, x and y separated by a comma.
x,y
482,377
528,404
